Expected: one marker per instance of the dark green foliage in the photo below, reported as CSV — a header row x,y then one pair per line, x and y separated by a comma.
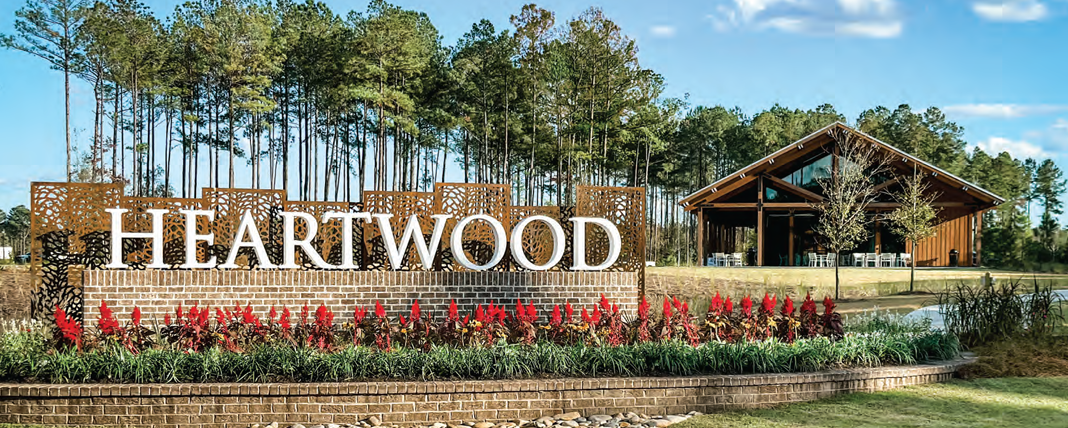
x,y
26,358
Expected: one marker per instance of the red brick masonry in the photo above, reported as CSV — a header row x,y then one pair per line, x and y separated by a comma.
x,y
411,403
158,291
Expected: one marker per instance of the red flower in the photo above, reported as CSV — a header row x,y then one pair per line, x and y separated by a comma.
x,y
557,318
728,306
747,306
68,327
643,309
532,313
480,315
767,306
788,307
284,320
605,306
808,307
166,319
247,316
380,312
454,312
569,312
272,314
136,316
358,315
415,311
107,322
716,307
667,308
828,305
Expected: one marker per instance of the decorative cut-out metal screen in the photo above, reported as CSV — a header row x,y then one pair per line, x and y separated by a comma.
x,y
71,231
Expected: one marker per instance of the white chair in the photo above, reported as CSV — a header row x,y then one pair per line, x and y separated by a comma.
x,y
872,259
858,259
812,259
737,259
710,261
905,259
719,259
886,260
832,259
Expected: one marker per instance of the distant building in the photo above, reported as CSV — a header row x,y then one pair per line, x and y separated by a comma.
x,y
775,195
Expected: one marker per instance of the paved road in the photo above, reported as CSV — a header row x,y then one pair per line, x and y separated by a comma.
x,y
933,313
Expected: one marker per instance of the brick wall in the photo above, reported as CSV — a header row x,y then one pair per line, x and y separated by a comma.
x,y
422,403
159,292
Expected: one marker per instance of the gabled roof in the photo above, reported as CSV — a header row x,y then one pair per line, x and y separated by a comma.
x,y
755,168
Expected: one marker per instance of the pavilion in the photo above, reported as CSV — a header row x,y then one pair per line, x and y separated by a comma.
x,y
775,196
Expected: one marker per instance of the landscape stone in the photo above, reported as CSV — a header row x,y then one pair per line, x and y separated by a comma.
x,y
569,416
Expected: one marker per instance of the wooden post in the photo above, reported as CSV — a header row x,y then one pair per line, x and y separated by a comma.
x,y
979,238
701,237
878,235
760,222
791,238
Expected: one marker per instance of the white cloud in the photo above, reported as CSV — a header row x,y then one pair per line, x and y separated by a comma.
x,y
1003,111
881,30
1017,148
663,31
1011,10
850,18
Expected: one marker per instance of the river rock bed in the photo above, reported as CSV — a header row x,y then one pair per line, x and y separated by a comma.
x,y
563,420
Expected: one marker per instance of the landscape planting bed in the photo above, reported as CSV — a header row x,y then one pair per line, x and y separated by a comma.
x,y
420,403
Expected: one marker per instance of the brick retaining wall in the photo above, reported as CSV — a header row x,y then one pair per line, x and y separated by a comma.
x,y
413,403
159,292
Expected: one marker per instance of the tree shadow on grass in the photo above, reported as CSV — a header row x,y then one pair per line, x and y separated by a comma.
x,y
1006,403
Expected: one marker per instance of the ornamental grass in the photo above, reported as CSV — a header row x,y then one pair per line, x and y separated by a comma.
x,y
493,342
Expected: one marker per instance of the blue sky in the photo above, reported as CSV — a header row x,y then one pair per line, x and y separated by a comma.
x,y
995,67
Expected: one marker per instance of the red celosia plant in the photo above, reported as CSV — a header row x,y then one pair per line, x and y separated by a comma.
x,y
359,325
718,321
191,330
832,321
788,325
809,321
383,339
767,326
677,322
321,332
455,330
643,322
68,330
748,320
523,322
235,329
137,337
107,324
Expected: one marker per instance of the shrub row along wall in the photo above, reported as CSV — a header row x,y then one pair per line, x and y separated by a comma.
x,y
416,403
159,292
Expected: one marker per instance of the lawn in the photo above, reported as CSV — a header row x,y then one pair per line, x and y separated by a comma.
x,y
862,288
1007,402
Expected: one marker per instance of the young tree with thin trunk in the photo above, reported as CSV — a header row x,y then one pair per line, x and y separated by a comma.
x,y
48,29
848,190
916,218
